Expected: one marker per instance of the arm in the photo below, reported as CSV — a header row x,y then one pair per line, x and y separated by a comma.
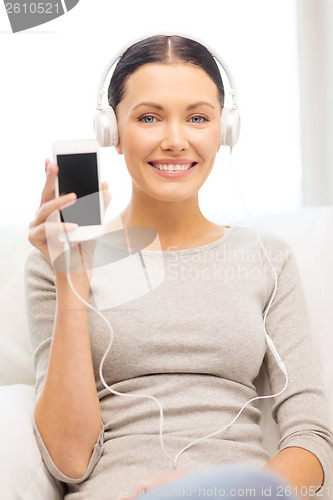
x,y
67,412
305,448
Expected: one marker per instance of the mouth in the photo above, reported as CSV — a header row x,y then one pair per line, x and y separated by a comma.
x,y
172,167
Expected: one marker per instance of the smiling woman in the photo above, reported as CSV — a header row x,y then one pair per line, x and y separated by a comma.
x,y
194,342
183,130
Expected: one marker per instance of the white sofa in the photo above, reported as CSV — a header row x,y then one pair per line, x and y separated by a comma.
x,y
23,475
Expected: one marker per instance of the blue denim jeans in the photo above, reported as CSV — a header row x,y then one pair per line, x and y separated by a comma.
x,y
225,482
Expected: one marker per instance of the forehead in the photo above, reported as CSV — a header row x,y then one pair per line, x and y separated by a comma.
x,y
176,81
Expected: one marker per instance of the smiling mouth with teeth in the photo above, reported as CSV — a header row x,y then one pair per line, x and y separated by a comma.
x,y
172,168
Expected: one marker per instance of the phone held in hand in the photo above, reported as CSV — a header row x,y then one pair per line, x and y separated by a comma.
x,y
78,163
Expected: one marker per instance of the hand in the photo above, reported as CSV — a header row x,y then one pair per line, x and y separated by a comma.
x,y
45,228
46,216
152,481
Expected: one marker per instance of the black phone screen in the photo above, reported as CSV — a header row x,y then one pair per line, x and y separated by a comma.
x,y
78,173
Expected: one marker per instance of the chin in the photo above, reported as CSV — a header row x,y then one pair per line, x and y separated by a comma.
x,y
174,197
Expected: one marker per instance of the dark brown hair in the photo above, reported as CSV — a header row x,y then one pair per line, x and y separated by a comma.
x,y
162,49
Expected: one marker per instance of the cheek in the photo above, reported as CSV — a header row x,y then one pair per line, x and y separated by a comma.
x,y
207,144
206,139
138,142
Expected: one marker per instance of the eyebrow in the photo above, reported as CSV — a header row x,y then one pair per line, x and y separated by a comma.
x,y
191,106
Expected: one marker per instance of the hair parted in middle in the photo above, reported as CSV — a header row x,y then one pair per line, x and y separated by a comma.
x,y
163,49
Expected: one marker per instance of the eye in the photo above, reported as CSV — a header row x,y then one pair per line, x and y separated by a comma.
x,y
198,119
147,119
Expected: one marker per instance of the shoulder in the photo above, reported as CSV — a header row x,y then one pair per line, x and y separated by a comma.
x,y
249,236
262,243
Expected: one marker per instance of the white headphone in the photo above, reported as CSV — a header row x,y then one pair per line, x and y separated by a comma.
x,y
105,124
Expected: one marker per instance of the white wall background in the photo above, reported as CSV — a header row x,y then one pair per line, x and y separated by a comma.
x,y
315,42
49,78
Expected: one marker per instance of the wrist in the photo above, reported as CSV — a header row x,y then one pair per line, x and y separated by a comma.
x,y
79,281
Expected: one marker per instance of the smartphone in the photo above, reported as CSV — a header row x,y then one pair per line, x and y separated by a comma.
x,y
78,163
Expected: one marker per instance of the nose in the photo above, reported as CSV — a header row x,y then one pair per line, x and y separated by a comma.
x,y
174,137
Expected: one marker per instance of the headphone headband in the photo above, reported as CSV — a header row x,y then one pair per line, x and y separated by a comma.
x,y
105,118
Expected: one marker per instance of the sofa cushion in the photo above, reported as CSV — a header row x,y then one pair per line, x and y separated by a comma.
x,y
16,365
23,474
309,231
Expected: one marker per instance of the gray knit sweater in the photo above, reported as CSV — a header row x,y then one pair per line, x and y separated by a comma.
x,y
188,329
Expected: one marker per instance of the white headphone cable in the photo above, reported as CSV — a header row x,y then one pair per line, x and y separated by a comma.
x,y
268,340
102,316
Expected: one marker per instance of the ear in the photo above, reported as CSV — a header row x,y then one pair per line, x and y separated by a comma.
x,y
119,149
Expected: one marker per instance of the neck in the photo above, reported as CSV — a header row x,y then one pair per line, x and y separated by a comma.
x,y
178,223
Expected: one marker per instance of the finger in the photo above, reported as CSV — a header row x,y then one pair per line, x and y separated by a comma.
x,y
106,195
40,234
47,161
51,172
49,209
54,228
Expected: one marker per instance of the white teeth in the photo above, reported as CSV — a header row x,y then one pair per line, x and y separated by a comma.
x,y
172,168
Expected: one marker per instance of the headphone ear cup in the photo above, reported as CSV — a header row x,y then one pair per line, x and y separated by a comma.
x,y
230,127
106,127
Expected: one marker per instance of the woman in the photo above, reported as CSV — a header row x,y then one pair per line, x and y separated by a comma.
x,y
195,340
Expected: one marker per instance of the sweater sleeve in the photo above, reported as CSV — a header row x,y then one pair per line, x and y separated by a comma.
x,y
40,296
301,411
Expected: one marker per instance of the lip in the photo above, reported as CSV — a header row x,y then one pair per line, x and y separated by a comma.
x,y
173,161
176,174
